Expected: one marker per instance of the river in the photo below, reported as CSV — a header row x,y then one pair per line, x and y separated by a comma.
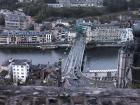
x,y
96,58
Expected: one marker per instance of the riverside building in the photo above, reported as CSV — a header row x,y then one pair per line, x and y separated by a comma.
x,y
25,37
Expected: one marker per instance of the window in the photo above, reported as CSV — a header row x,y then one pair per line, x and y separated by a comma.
x,y
22,76
108,74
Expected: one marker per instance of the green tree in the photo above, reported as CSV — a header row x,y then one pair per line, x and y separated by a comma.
x,y
134,4
115,5
6,4
2,20
49,1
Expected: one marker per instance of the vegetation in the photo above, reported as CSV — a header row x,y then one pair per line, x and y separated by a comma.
x,y
40,11
134,4
8,4
2,20
115,5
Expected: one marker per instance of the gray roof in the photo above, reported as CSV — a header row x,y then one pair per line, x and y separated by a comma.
x,y
21,61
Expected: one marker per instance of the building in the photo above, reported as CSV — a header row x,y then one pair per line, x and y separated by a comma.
x,y
61,23
71,36
102,74
4,11
127,35
81,3
55,5
25,0
4,39
62,36
25,37
109,34
19,69
17,20
65,3
103,78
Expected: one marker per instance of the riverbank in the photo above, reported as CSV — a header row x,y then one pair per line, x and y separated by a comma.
x,y
54,46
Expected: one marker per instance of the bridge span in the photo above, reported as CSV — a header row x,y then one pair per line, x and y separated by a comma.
x,y
71,68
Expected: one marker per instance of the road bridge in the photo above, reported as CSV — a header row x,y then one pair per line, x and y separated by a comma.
x,y
71,68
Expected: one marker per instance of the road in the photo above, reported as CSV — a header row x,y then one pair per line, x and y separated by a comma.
x,y
71,69
72,65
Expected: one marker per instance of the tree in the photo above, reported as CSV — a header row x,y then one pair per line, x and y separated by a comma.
x,y
49,1
115,5
134,4
31,27
6,4
2,20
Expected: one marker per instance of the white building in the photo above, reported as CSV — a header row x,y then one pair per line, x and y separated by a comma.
x,y
4,11
127,35
56,5
109,35
26,0
25,37
81,3
20,70
62,36
48,37
102,74
64,22
71,36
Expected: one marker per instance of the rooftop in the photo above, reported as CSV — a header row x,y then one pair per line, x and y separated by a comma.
x,y
20,61
20,33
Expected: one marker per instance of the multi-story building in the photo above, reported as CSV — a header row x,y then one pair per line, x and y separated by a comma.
x,y
20,70
25,37
71,36
62,36
127,35
55,5
65,3
109,34
4,39
81,3
25,0
17,20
